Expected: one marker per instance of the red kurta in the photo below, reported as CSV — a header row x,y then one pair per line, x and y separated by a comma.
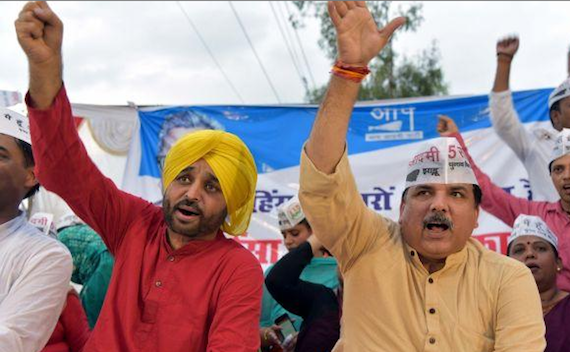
x,y
72,329
204,296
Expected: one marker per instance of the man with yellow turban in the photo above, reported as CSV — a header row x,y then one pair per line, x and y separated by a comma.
x,y
178,284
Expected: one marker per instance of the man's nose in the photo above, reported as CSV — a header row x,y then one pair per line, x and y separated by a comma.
x,y
439,203
194,192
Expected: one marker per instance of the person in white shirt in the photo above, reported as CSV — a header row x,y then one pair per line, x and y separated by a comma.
x,y
533,148
34,269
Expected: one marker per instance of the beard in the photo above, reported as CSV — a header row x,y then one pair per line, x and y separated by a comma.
x,y
204,226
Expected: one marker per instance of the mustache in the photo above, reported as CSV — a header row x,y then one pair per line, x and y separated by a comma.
x,y
189,204
438,218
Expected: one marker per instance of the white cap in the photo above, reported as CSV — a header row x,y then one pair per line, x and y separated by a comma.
x,y
561,92
529,225
15,125
290,214
440,160
44,223
68,220
561,146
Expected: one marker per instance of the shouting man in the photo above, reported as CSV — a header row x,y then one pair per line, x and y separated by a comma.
x,y
422,283
178,284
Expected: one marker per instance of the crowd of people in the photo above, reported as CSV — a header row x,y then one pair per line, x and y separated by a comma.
x,y
169,277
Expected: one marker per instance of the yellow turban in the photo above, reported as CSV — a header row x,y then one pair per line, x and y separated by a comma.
x,y
233,165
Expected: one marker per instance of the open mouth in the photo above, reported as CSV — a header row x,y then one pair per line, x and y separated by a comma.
x,y
438,223
434,226
188,212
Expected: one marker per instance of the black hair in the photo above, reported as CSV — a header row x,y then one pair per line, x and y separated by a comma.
x,y
26,149
477,193
554,107
306,223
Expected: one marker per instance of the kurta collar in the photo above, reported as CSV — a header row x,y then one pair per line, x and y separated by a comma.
x,y
10,227
452,260
192,247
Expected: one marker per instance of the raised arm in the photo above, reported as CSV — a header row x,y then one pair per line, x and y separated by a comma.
x,y
328,191
504,117
506,50
496,200
359,40
62,163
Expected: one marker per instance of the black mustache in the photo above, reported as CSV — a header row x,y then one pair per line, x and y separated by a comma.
x,y
438,218
189,204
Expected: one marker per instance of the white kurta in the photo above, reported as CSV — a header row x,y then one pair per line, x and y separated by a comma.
x,y
34,279
532,148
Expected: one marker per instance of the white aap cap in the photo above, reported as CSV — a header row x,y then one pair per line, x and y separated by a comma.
x,y
561,92
529,225
440,160
15,125
67,220
561,146
44,223
290,214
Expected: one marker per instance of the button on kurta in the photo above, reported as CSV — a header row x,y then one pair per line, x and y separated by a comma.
x,y
432,340
432,311
170,258
158,283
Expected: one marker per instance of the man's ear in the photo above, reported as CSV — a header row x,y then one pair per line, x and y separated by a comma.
x,y
402,206
31,180
477,218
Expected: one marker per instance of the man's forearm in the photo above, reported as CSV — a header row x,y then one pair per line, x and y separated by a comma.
x,y
503,73
327,140
45,82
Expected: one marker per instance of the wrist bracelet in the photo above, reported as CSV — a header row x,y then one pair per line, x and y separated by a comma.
x,y
507,55
352,73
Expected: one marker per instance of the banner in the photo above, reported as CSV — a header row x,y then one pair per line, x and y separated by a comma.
x,y
381,140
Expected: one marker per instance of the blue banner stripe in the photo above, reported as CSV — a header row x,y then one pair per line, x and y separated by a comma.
x,y
275,134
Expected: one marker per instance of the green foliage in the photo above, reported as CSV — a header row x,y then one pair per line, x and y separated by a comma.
x,y
391,76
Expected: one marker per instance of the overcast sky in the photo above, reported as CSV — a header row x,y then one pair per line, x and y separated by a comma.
x,y
148,53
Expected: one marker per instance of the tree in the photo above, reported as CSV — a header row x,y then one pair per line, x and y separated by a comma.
x,y
390,76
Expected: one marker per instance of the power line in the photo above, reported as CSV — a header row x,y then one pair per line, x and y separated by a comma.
x,y
301,46
210,53
303,80
289,36
255,52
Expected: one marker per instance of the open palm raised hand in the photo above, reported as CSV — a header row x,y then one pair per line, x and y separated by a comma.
x,y
359,39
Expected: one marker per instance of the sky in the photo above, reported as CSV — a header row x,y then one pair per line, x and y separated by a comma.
x,y
148,53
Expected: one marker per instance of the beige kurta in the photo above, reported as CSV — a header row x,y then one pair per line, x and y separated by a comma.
x,y
480,301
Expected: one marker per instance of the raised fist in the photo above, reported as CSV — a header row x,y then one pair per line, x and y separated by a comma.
x,y
39,32
446,126
508,46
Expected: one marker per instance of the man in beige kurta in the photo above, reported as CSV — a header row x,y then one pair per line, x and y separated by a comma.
x,y
422,283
